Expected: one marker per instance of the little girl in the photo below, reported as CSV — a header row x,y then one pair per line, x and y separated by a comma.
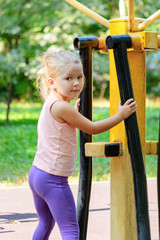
x,y
61,79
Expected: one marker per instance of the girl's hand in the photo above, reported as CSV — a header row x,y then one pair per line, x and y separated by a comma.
x,y
77,104
127,109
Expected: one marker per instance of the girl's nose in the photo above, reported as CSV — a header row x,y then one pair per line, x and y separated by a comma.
x,y
76,82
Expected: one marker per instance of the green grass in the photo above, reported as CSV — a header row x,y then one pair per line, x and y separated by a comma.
x,y
18,142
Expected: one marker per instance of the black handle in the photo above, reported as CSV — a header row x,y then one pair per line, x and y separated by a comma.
x,y
85,50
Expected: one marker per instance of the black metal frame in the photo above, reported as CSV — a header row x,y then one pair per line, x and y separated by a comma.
x,y
85,45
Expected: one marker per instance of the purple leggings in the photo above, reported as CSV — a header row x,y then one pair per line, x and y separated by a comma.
x,y
54,202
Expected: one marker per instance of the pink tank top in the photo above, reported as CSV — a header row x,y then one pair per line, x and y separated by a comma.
x,y
57,144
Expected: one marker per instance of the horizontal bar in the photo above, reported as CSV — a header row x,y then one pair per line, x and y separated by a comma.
x,y
140,41
83,42
102,44
148,21
112,41
111,149
89,12
103,149
151,148
137,41
146,40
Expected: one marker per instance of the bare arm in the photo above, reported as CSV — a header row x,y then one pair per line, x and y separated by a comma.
x,y
65,112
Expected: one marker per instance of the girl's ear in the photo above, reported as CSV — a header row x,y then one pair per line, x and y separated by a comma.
x,y
52,83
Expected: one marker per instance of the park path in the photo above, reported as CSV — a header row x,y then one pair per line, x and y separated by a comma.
x,y
18,218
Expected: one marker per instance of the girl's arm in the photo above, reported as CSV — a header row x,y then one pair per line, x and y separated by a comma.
x,y
77,104
65,112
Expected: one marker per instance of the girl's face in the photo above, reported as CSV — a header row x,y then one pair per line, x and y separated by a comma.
x,y
69,83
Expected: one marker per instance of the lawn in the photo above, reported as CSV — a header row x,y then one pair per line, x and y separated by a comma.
x,y
18,142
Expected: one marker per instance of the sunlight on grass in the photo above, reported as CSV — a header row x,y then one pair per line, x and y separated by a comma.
x,y
21,111
23,182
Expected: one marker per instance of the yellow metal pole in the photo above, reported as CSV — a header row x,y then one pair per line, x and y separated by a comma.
x,y
122,9
123,219
131,15
89,12
149,20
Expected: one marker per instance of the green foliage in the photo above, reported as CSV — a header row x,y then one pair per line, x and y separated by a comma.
x,y
29,28
153,74
22,25
145,8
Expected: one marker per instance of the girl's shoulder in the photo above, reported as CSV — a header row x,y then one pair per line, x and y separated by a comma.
x,y
49,102
61,106
53,101
58,108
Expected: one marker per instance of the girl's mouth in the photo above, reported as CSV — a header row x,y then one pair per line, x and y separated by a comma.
x,y
76,90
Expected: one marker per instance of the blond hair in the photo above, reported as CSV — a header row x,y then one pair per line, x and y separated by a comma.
x,y
52,63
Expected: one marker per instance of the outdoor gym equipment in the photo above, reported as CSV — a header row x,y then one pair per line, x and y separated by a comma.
x,y
119,44
126,45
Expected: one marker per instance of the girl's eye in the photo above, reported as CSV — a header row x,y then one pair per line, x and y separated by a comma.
x,y
68,78
79,77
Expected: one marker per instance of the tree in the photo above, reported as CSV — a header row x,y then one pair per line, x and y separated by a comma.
x,y
22,21
29,27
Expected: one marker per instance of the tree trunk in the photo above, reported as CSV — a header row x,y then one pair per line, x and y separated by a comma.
x,y
9,100
103,88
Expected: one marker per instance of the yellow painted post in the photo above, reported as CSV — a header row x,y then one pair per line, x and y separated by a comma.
x,y
131,15
123,220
